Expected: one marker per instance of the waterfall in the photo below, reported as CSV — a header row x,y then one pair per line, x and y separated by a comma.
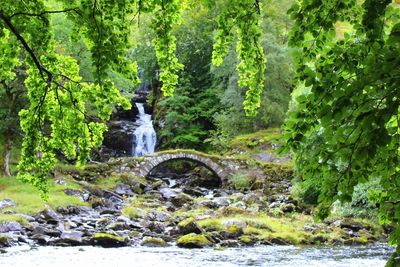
x,y
144,134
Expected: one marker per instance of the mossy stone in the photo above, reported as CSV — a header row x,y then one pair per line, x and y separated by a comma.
x,y
109,240
189,226
153,242
193,241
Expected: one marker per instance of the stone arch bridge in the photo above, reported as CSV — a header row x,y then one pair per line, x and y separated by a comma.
x,y
211,162
275,176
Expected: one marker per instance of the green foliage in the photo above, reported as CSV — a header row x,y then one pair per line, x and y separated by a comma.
x,y
351,104
231,120
185,119
244,15
61,119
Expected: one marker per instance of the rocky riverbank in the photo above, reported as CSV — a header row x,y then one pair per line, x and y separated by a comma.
x,y
190,210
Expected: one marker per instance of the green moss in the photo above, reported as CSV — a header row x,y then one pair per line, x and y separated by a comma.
x,y
253,142
132,212
107,236
186,222
246,239
211,224
193,241
153,241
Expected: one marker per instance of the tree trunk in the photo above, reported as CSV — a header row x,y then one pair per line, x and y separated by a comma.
x,y
6,155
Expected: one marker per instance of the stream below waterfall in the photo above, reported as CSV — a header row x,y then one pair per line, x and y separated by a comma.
x,y
331,256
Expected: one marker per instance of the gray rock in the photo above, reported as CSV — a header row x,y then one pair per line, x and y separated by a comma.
x,y
195,192
72,192
239,205
48,215
181,199
109,240
169,193
160,216
41,239
189,226
118,226
123,189
232,222
6,241
4,203
72,237
221,201
156,227
230,243
153,242
41,229
10,227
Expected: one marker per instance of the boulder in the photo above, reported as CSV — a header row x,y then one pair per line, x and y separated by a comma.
x,y
108,240
123,189
69,210
118,226
41,239
351,224
189,226
10,227
4,203
45,230
221,201
155,227
169,193
160,216
69,238
6,241
181,199
153,242
48,215
193,240
234,222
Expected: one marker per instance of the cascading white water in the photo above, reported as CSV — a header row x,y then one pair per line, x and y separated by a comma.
x,y
145,135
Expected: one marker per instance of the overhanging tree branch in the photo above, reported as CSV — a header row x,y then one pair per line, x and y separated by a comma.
x,y
43,71
41,14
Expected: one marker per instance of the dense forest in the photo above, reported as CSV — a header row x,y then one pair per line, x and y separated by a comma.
x,y
321,77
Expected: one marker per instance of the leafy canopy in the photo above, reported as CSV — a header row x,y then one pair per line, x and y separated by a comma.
x,y
350,106
57,120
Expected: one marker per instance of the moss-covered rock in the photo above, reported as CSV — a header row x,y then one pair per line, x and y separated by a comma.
x,y
5,241
153,242
109,240
234,231
193,241
181,199
189,226
247,239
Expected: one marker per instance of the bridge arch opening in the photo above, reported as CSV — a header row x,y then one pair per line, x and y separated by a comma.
x,y
187,172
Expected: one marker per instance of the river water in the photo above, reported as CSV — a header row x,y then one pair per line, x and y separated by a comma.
x,y
344,256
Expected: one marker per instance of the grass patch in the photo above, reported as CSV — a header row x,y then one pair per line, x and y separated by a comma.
x,y
13,218
108,183
241,180
27,197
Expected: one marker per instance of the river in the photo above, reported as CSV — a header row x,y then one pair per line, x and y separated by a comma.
x,y
334,256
